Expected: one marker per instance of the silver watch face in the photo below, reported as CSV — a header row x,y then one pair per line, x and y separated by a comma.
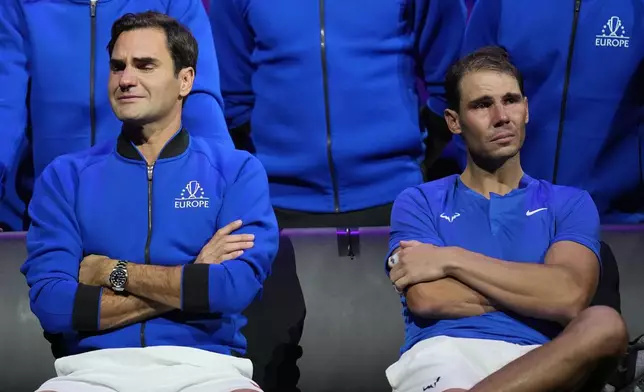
x,y
118,278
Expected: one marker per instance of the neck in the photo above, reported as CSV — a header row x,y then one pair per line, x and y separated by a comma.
x,y
150,138
501,180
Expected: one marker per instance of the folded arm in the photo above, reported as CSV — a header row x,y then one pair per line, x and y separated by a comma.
x,y
557,290
119,310
228,287
147,286
445,298
54,254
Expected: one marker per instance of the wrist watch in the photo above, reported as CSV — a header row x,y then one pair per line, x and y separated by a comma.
x,y
118,276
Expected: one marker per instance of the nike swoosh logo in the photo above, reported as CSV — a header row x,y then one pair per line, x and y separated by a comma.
x,y
529,213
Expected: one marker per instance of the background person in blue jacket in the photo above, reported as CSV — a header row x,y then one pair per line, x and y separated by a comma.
x,y
53,77
497,269
327,92
125,262
583,69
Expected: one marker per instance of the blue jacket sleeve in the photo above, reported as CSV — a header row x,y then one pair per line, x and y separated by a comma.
x,y
203,113
412,220
235,43
14,79
54,253
439,36
231,286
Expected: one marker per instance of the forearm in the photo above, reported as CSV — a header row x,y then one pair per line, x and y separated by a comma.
x,y
534,290
157,283
119,310
446,299
200,288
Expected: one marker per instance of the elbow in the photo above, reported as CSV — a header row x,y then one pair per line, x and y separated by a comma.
x,y
242,285
50,321
573,304
239,299
65,307
429,310
420,310
52,324
415,305
422,306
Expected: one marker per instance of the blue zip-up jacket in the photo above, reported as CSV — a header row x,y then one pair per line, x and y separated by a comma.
x,y
107,201
328,89
46,75
586,97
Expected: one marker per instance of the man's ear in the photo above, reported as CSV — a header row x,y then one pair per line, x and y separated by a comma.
x,y
186,78
453,121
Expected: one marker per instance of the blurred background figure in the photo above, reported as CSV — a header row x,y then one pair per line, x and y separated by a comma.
x,y
469,4
583,70
324,94
53,75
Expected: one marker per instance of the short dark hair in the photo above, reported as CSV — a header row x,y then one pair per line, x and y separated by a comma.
x,y
489,58
182,45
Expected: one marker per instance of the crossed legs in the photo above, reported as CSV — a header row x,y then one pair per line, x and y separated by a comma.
x,y
581,358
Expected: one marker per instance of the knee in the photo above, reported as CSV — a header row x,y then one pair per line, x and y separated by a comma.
x,y
604,330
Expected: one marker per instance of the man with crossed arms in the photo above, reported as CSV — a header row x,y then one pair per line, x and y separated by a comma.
x,y
496,269
135,271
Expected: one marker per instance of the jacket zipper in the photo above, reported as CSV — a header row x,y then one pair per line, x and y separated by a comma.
x,y
564,98
327,114
92,71
150,171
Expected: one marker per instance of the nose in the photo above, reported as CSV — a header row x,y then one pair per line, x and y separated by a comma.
x,y
500,116
128,79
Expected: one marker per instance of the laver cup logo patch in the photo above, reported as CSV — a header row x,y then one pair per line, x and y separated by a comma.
x,y
613,34
192,196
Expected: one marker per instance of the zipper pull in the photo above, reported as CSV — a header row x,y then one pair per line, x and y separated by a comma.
x,y
150,169
577,5
92,8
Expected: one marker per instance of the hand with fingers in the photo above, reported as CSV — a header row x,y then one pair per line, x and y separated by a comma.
x,y
416,262
225,246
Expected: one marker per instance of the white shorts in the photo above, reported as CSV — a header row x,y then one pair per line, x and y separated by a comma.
x,y
159,369
442,363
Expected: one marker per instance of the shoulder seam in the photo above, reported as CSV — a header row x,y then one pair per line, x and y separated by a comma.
x,y
198,151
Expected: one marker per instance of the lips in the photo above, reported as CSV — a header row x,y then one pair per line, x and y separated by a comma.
x,y
502,136
128,97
